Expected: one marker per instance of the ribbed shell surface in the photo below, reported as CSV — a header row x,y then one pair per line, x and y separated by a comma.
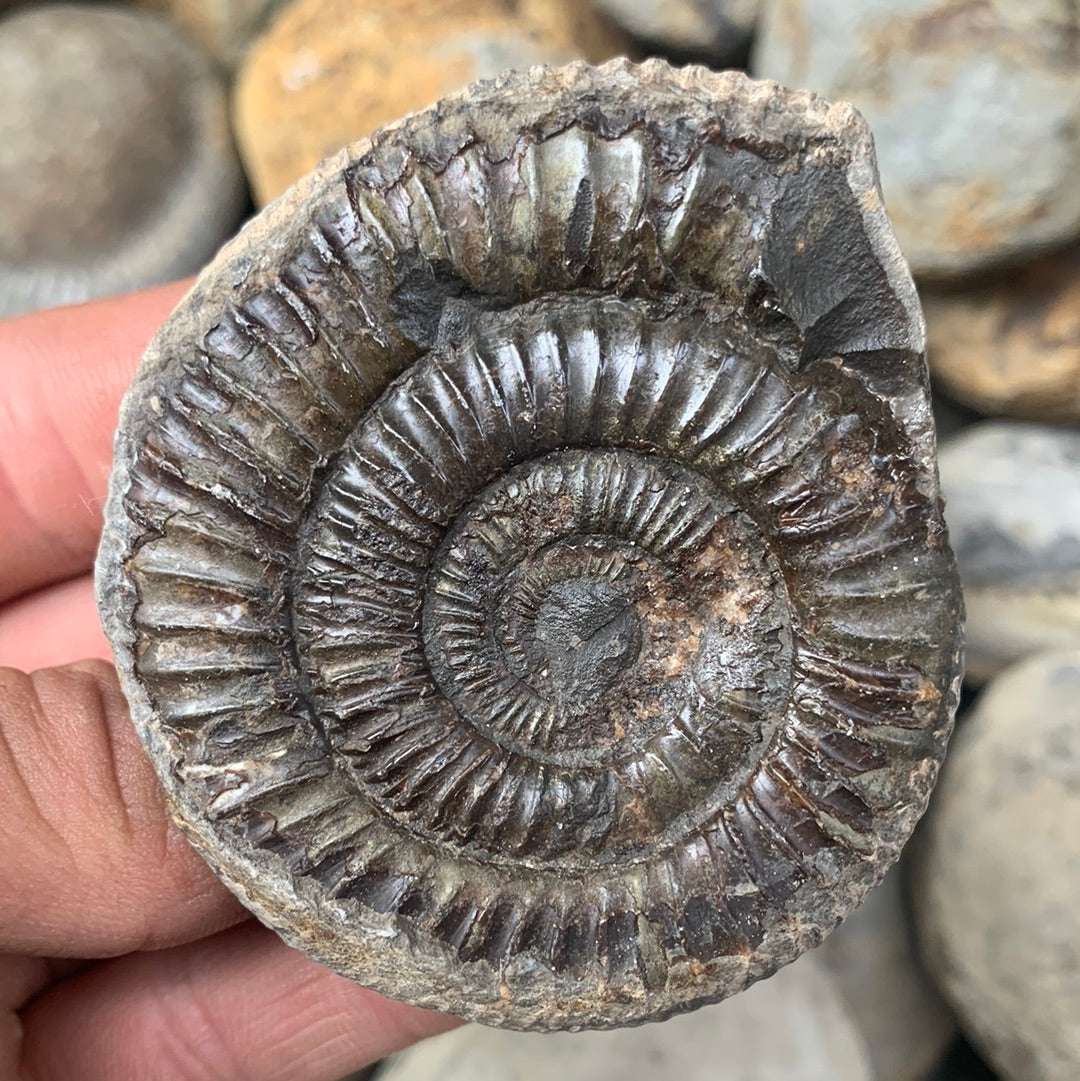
x,y
524,557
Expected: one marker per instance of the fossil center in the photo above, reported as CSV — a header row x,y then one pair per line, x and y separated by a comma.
x,y
585,633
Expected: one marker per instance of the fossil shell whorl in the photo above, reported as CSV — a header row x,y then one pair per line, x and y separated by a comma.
x,y
524,558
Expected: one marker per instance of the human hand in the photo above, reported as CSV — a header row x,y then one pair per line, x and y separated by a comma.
x,y
121,955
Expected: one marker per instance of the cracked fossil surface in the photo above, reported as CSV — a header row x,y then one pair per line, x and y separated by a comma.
x,y
524,556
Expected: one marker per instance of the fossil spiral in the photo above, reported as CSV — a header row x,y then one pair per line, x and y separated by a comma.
x,y
524,556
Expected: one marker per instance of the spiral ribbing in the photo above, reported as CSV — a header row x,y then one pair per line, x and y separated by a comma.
x,y
524,561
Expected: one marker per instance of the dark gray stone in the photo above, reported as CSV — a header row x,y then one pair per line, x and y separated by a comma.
x,y
719,29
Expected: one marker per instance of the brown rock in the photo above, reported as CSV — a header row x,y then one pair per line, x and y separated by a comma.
x,y
117,168
224,28
999,872
1011,346
331,71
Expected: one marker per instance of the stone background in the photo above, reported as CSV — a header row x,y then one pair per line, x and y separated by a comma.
x,y
137,138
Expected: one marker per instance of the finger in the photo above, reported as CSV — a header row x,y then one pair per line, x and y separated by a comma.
x,y
101,867
51,626
20,978
62,374
241,1006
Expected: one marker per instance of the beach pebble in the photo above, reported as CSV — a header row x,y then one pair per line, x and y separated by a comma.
x,y
328,72
222,28
117,168
998,872
974,105
1011,346
715,29
793,1025
1012,505
873,959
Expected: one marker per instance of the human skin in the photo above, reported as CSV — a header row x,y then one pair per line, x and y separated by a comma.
x,y
121,955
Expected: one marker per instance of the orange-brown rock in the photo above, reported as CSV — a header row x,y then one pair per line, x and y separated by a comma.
x,y
331,71
1011,346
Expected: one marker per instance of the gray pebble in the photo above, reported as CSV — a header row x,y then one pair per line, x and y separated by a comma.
x,y
975,108
1012,493
117,168
998,872
720,29
873,960
793,1025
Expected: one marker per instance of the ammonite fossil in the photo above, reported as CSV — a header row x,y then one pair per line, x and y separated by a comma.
x,y
524,556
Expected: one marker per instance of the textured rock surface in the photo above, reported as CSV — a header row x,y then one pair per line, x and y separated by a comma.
x,y
223,28
488,690
1013,507
793,1025
329,72
999,872
720,29
1012,345
975,109
872,959
117,168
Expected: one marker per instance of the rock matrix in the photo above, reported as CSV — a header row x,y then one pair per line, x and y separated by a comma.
x,y
793,1025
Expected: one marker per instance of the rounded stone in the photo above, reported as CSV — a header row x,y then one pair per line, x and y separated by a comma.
x,y
222,28
872,958
117,168
998,872
329,72
720,30
1011,345
795,1024
1012,494
975,109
